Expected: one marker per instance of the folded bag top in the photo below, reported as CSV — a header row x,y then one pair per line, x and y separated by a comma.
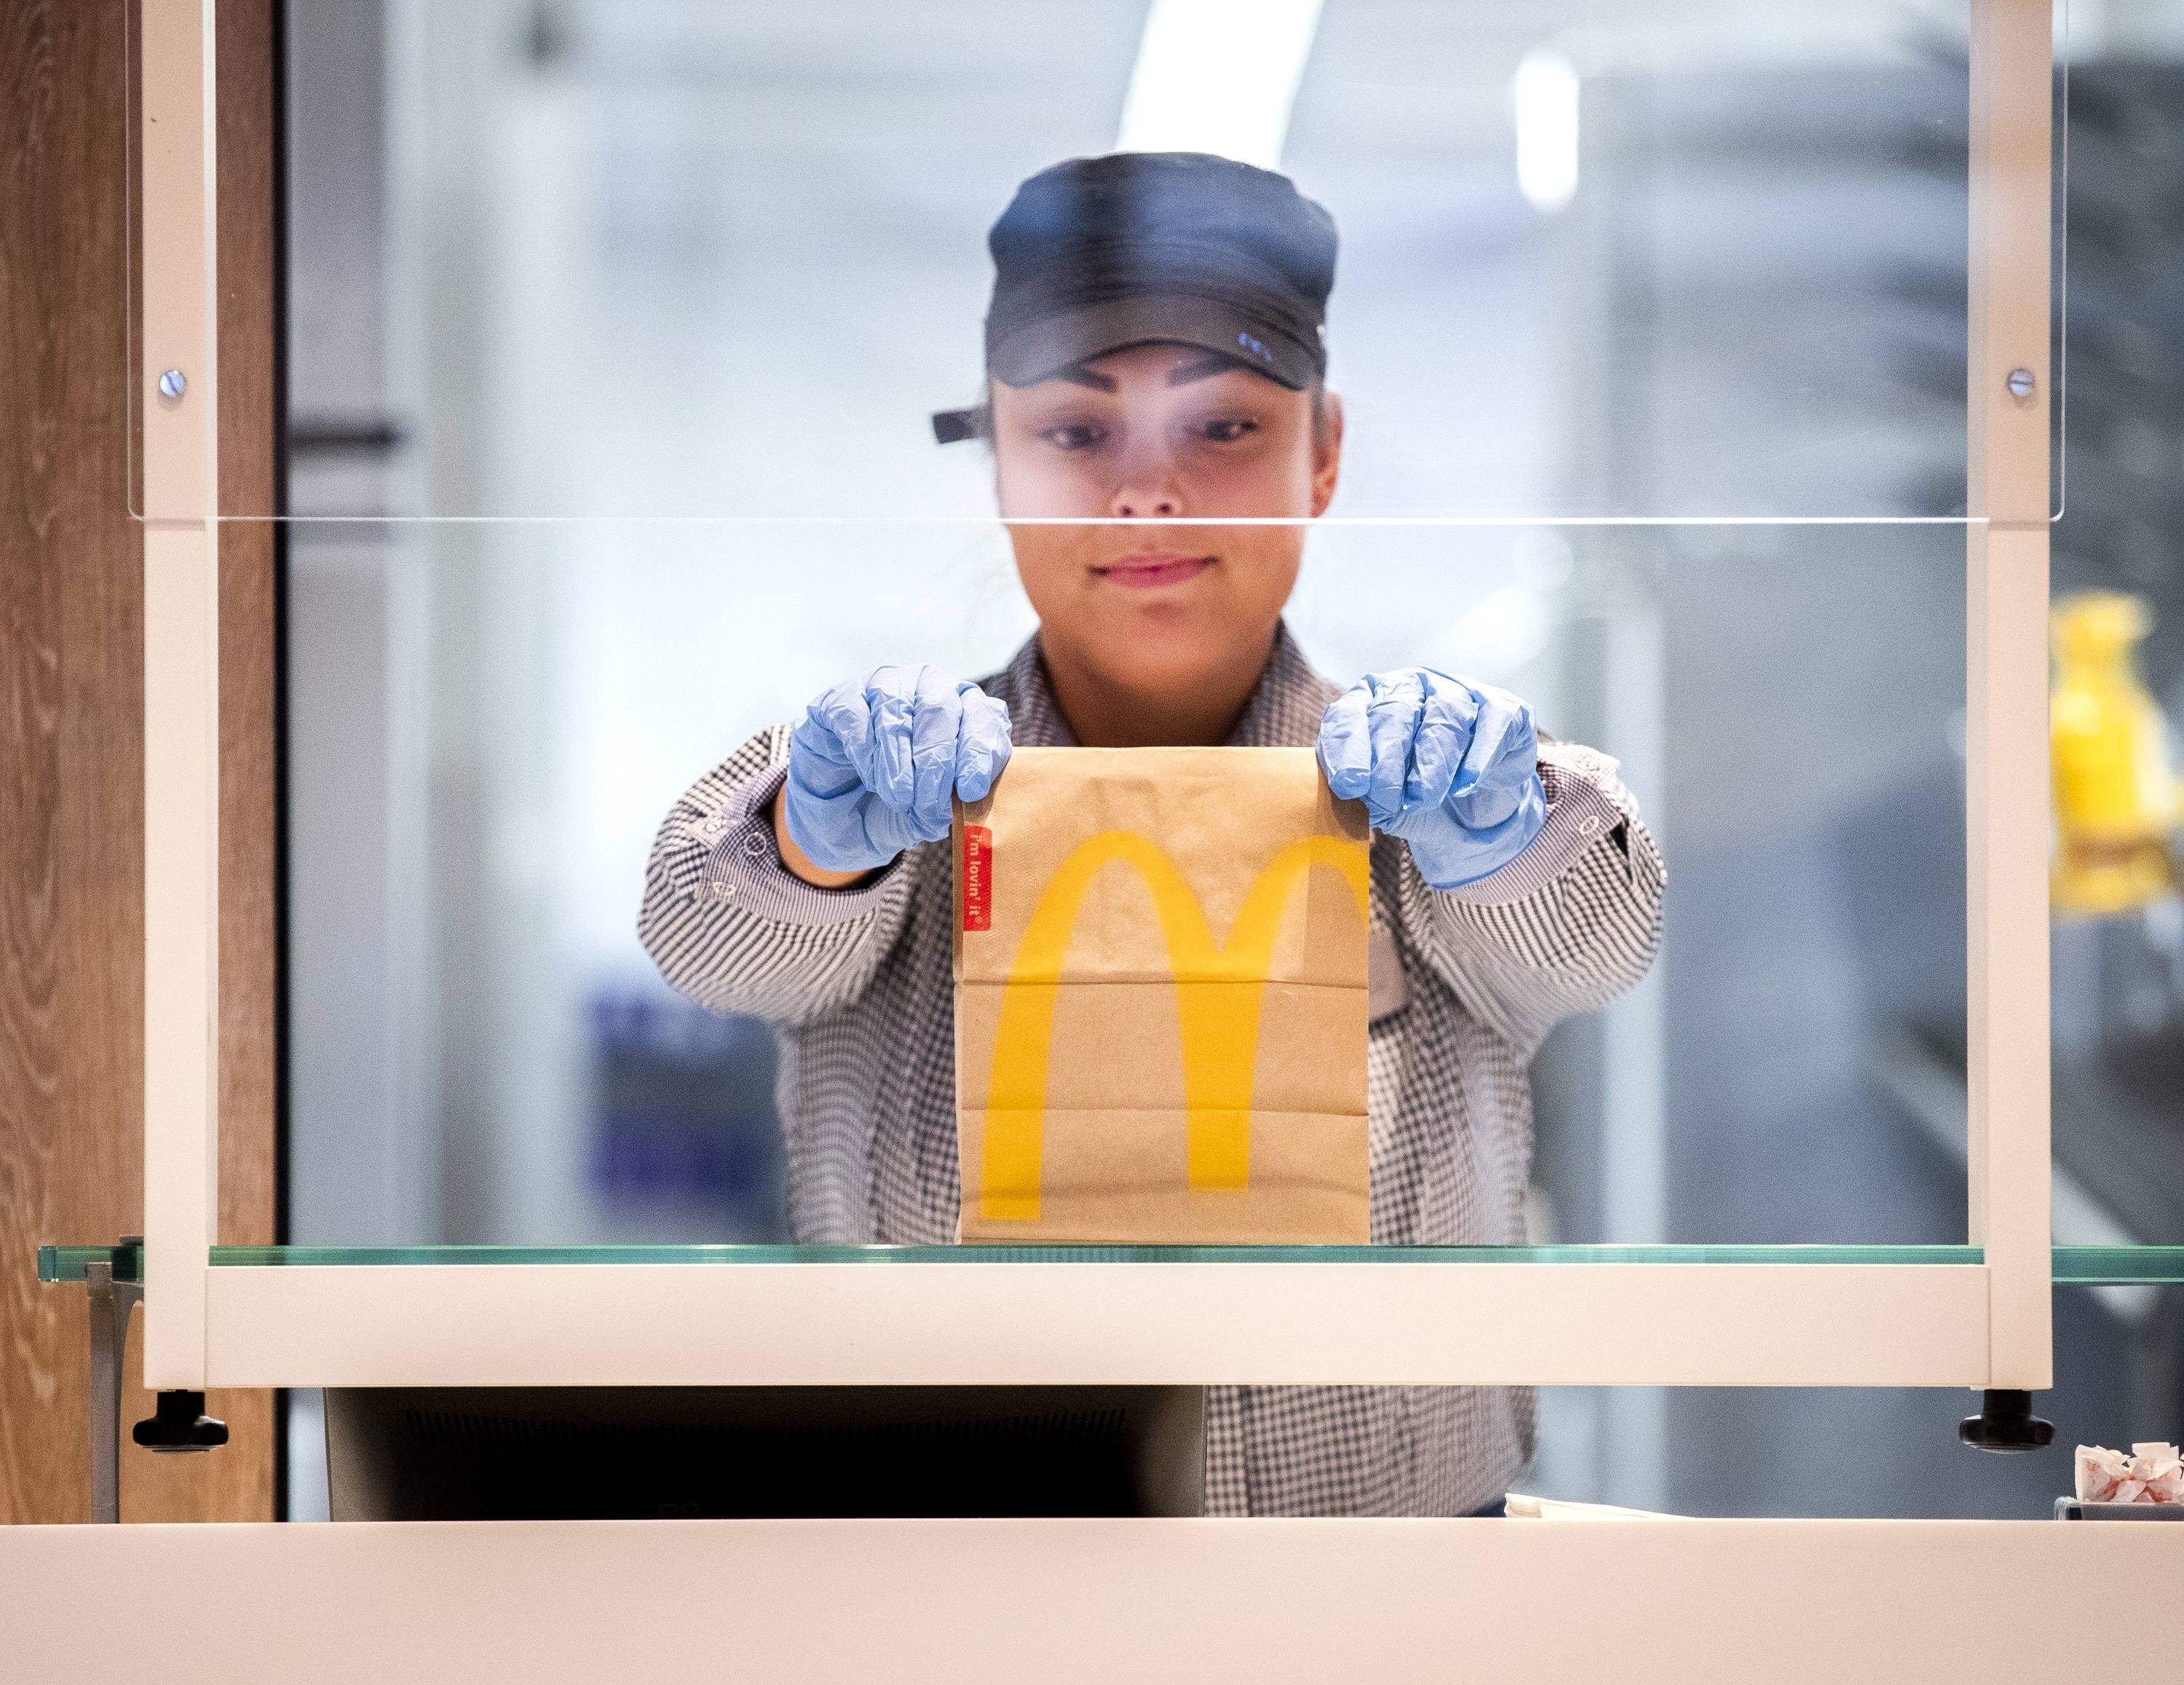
x,y
1161,1000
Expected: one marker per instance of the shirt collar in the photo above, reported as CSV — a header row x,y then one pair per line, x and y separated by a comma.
x,y
1284,710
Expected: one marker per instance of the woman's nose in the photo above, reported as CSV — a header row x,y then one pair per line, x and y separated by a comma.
x,y
1149,492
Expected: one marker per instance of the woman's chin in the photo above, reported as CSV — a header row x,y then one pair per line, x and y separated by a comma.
x,y
1165,647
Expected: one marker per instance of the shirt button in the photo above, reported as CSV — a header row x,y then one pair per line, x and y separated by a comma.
x,y
1591,824
723,891
755,845
712,828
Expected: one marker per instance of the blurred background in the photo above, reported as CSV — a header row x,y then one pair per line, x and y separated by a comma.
x,y
1649,322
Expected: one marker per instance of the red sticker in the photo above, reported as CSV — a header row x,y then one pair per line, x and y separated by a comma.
x,y
977,877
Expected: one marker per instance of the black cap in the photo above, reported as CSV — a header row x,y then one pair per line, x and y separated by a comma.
x,y
1099,253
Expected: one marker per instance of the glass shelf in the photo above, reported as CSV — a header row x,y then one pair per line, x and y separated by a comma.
x,y
67,1264
2116,1266
2073,1266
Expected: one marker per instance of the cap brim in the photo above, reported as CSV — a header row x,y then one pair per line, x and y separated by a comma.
x,y
1040,350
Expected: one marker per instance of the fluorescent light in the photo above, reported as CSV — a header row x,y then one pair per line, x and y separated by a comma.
x,y
1218,76
1544,97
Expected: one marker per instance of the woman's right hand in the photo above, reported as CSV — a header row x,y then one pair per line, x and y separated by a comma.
x,y
875,761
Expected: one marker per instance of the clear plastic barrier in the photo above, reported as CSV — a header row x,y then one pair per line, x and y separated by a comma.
x,y
614,334
488,726
569,259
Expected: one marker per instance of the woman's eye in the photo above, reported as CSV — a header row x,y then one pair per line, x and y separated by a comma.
x,y
1075,436
1229,432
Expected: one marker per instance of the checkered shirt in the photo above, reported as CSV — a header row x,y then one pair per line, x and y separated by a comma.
x,y
1465,984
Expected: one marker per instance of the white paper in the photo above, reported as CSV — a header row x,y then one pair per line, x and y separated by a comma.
x,y
2153,1473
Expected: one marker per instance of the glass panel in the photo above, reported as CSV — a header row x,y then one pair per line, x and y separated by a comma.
x,y
570,259
1089,1254
2119,584
67,1264
2118,1266
488,725
2075,1266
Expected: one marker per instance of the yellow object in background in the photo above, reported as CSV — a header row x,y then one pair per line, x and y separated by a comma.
x,y
2115,796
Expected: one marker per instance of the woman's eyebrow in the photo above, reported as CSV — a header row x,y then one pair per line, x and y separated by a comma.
x,y
1078,375
1213,363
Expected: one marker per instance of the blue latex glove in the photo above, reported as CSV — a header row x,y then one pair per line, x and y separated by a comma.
x,y
1452,768
874,762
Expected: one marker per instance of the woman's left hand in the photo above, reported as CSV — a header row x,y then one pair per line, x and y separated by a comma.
x,y
1450,767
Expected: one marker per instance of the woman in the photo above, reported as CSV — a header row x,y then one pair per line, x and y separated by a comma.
x,y
1154,358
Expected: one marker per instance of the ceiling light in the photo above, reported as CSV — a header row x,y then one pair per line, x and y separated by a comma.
x,y
1218,76
1544,97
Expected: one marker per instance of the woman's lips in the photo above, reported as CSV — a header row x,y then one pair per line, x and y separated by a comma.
x,y
1140,572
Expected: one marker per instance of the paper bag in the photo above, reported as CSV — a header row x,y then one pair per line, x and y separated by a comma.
x,y
1161,1000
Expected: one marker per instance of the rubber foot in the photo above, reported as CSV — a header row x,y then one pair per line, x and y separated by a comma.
x,y
2006,1423
180,1424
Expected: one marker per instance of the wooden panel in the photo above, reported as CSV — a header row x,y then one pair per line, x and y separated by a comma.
x,y
70,781
71,773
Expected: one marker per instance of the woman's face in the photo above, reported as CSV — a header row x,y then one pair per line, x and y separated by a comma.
x,y
1147,435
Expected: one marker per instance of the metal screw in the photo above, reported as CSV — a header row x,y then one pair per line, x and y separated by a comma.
x,y
2021,383
173,383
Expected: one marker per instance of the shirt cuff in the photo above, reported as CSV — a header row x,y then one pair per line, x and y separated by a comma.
x,y
743,866
1581,816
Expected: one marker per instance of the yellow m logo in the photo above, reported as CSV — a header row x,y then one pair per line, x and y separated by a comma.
x,y
1219,992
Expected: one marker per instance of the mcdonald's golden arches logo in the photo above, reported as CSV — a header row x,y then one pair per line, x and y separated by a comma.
x,y
1219,981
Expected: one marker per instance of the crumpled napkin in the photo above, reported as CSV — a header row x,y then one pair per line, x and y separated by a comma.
x,y
2153,1473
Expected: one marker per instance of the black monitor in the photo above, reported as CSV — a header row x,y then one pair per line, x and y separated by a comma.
x,y
614,1453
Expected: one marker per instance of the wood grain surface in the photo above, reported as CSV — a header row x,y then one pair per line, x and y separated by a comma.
x,y
71,739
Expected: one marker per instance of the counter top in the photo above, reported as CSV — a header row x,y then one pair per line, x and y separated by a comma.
x,y
1377,1601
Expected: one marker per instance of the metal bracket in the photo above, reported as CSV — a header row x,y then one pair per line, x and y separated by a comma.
x,y
111,1302
180,1424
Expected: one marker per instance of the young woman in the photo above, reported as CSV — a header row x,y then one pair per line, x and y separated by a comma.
x,y
1155,357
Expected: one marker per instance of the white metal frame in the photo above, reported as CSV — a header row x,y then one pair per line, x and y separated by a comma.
x,y
182,684
1600,1324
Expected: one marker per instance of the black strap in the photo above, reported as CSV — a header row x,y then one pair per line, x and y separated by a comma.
x,y
953,427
